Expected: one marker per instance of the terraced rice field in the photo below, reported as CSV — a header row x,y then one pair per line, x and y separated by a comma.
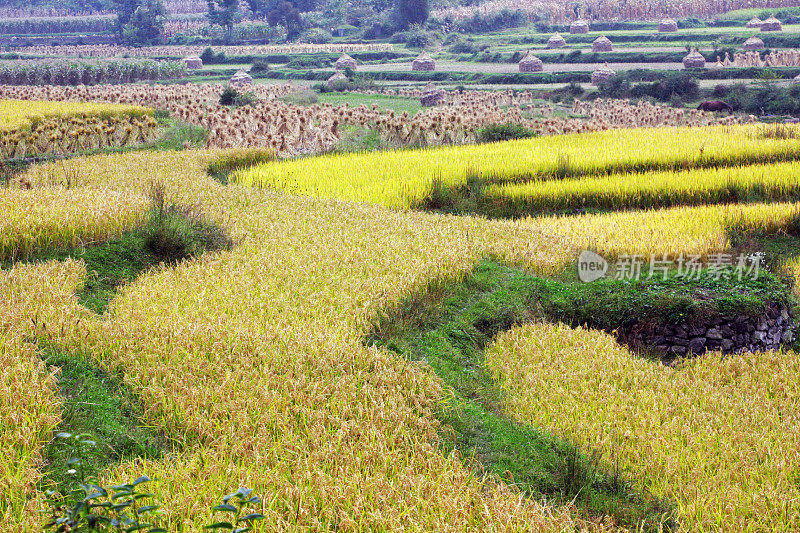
x,y
253,359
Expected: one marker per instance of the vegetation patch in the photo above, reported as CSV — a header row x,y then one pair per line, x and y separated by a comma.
x,y
106,414
237,160
448,327
171,233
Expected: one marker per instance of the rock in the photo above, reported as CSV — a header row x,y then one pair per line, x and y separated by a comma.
x,y
714,333
696,331
678,350
739,327
697,346
727,345
726,331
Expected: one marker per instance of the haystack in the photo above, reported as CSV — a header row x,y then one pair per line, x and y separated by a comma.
x,y
602,74
694,60
771,24
423,62
753,43
530,63
755,23
667,25
556,41
193,62
602,44
337,78
345,62
241,78
431,96
579,26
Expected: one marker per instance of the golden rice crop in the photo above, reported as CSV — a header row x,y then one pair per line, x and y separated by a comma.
x,y
718,435
402,178
652,189
253,358
284,397
31,297
28,414
42,220
29,129
689,230
18,113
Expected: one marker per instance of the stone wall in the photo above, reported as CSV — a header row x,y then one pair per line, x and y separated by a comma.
x,y
726,334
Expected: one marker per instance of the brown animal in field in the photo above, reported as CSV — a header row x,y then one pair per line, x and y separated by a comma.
x,y
715,105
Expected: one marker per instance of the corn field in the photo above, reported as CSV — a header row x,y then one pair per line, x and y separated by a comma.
x,y
25,26
82,72
109,51
562,11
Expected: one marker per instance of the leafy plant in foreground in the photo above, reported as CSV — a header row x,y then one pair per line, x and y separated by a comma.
x,y
236,504
90,507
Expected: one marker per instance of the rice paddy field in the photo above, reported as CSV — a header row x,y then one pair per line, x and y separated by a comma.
x,y
366,313
252,364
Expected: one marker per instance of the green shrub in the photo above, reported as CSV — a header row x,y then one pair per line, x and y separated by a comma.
x,y
259,66
316,36
233,97
665,88
504,132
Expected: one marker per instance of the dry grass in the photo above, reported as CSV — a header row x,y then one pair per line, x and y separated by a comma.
x,y
719,435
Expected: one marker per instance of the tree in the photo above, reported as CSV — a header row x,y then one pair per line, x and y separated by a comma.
x,y
262,8
146,24
125,10
410,12
225,13
287,15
